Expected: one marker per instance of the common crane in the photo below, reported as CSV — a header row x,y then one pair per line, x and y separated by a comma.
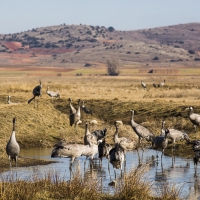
x,y
37,92
9,101
53,94
116,157
161,142
163,129
75,115
161,84
194,118
125,143
85,109
89,136
196,148
100,134
154,85
141,131
175,135
12,147
74,150
103,148
143,84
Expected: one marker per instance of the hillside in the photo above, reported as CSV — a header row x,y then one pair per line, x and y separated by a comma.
x,y
75,45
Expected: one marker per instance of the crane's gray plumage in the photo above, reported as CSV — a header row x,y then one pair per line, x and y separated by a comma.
x,y
103,149
12,147
100,134
161,84
141,131
53,94
37,92
154,85
116,157
196,148
89,137
174,134
85,109
75,115
125,143
74,150
161,142
143,84
194,118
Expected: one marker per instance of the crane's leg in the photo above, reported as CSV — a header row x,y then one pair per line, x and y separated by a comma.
x,y
38,102
115,174
10,161
16,161
162,154
34,102
195,159
195,128
109,170
162,166
91,163
173,146
75,130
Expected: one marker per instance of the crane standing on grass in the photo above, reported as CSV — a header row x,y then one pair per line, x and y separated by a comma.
x,y
37,92
53,94
12,147
143,85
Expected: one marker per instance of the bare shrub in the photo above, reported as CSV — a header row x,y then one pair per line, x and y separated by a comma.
x,y
112,67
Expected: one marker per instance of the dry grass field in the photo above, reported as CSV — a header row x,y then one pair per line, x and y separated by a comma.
x,y
110,99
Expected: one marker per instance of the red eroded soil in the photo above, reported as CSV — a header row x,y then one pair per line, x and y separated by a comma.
x,y
49,69
45,51
12,45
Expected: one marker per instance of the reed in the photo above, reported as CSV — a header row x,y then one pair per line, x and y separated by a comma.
x,y
133,185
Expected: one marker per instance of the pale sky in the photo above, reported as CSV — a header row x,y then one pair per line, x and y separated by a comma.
x,y
23,15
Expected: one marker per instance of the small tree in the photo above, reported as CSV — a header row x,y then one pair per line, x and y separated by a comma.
x,y
112,67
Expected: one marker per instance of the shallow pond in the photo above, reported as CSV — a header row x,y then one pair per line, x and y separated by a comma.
x,y
177,170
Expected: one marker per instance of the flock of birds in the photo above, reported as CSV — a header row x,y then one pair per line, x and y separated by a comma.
x,y
154,84
95,142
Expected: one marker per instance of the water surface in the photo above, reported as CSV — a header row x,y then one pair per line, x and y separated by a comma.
x,y
178,170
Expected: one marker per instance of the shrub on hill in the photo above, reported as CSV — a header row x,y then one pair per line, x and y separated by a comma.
x,y
111,29
88,65
155,58
191,51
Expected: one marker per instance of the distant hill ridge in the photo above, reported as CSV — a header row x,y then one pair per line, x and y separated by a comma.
x,y
78,45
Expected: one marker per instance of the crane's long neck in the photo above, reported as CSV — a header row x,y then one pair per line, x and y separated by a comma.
x,y
9,100
190,112
116,138
72,109
40,83
162,128
166,133
87,132
132,119
12,137
79,108
83,105
70,104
